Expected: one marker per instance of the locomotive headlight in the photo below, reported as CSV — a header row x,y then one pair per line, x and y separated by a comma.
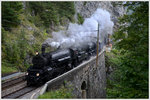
x,y
36,53
37,74
27,73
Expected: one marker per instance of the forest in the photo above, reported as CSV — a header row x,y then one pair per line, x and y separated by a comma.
x,y
25,27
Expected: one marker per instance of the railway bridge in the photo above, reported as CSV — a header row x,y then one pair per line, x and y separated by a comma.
x,y
87,80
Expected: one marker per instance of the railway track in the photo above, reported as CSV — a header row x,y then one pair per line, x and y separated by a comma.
x,y
19,93
12,82
15,87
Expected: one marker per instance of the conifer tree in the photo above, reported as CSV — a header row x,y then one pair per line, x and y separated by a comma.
x,y
10,14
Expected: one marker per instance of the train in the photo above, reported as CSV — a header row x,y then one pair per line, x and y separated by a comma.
x,y
48,65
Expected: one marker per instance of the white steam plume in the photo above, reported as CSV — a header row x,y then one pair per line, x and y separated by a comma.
x,y
77,35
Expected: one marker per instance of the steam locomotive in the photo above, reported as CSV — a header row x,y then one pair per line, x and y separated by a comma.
x,y
47,66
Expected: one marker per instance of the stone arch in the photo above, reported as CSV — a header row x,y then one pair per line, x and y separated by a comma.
x,y
83,89
83,85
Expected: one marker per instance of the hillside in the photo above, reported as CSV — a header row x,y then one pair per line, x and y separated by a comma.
x,y
26,26
33,22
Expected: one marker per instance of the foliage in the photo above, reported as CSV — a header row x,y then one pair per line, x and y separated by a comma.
x,y
7,68
80,19
36,20
57,94
17,46
65,9
132,69
51,13
118,3
14,51
10,14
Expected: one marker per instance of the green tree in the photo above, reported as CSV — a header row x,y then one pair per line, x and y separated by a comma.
x,y
66,9
133,62
52,12
10,14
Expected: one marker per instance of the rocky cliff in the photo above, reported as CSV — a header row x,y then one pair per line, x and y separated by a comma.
x,y
86,9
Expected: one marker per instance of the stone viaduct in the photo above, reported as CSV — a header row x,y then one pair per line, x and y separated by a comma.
x,y
87,79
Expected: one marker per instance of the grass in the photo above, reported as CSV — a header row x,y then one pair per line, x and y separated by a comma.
x,y
57,94
5,69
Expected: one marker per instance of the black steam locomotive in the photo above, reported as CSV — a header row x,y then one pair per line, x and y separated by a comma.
x,y
47,66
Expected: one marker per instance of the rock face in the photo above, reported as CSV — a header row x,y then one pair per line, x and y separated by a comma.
x,y
86,9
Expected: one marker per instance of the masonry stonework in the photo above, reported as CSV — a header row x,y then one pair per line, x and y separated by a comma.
x,y
87,77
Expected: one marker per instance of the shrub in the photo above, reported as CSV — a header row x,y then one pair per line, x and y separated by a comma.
x,y
57,94
80,19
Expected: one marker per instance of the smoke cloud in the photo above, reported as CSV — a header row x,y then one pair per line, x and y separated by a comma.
x,y
78,35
